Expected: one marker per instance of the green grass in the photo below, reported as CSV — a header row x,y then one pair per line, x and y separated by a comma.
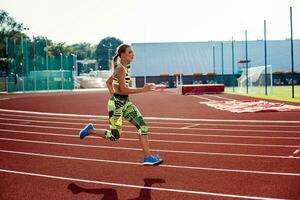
x,y
281,93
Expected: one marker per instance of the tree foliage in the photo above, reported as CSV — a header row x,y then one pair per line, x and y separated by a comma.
x,y
83,50
8,26
106,50
12,31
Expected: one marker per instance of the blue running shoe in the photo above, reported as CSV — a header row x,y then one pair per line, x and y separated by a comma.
x,y
152,160
86,130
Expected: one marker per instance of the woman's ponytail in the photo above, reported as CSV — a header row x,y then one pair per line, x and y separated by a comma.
x,y
116,59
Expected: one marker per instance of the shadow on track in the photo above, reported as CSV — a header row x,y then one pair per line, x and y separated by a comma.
x,y
145,193
111,194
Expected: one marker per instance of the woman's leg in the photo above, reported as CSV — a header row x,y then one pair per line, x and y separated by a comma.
x,y
132,114
145,145
98,132
115,112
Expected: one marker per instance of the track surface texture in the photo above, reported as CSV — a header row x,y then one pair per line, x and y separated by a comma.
x,y
208,153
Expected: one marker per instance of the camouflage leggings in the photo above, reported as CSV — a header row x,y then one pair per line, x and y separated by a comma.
x,y
119,107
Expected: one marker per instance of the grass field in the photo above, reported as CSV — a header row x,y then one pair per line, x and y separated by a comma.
x,y
282,93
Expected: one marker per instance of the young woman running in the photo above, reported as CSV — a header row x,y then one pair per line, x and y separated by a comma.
x,y
119,105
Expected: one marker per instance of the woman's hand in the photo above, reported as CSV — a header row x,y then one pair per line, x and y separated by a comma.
x,y
149,87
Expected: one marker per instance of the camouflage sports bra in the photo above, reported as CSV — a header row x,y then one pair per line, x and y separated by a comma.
x,y
127,77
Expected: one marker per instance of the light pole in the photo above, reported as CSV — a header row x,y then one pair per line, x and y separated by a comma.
x,y
75,63
265,51
232,57
47,64
62,71
23,58
75,68
214,62
246,45
34,63
108,49
22,63
8,60
292,53
222,61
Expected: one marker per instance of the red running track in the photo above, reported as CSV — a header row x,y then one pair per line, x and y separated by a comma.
x,y
217,155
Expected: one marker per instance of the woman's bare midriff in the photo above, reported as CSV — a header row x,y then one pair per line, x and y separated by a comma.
x,y
117,89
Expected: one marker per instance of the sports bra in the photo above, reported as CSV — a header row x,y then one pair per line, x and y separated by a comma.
x,y
127,77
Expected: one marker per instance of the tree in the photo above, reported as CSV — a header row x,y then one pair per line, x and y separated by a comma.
x,y
82,50
9,28
106,50
56,49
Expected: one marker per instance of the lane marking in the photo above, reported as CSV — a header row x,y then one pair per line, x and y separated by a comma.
x,y
140,164
202,97
138,149
190,126
296,151
154,140
133,186
184,134
150,127
187,123
99,120
151,118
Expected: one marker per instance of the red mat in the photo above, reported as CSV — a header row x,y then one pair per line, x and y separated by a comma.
x,y
201,88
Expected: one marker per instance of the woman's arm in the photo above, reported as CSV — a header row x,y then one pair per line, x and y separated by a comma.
x,y
109,85
121,73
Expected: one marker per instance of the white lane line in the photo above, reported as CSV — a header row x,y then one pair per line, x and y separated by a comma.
x,y
190,126
2,99
163,165
160,141
106,121
185,123
180,134
138,149
133,186
51,117
150,127
221,136
50,122
225,129
222,97
152,118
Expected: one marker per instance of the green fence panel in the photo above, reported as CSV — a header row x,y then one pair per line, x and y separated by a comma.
x,y
31,69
